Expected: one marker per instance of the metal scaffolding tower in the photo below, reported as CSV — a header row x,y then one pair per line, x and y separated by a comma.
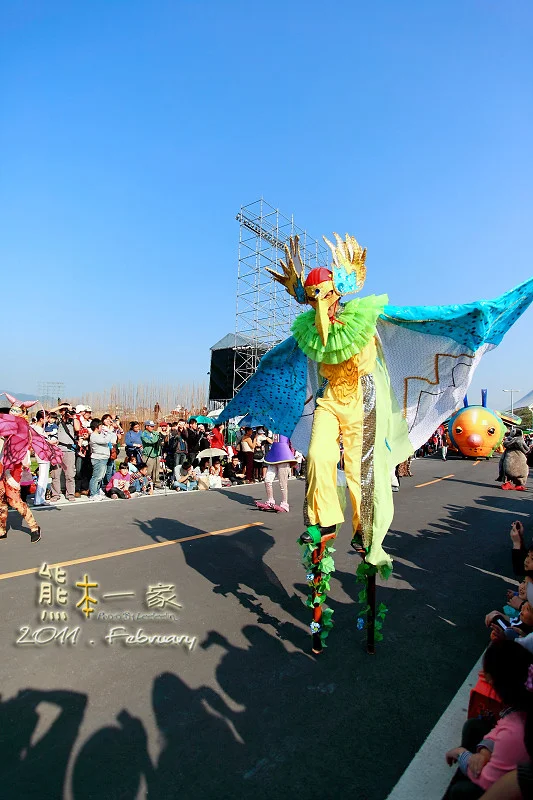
x,y
265,311
50,392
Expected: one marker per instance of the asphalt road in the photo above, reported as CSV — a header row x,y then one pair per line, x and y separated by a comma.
x,y
240,708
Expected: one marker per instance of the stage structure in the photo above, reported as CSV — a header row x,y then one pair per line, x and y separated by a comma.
x,y
50,392
263,315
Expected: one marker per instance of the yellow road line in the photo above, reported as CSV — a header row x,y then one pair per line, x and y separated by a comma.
x,y
419,485
139,549
476,463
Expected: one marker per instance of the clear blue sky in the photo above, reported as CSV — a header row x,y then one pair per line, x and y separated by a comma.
x,y
132,131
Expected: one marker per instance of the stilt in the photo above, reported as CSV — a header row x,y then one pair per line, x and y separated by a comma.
x,y
371,617
318,554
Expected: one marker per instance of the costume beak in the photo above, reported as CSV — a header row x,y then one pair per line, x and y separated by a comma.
x,y
322,320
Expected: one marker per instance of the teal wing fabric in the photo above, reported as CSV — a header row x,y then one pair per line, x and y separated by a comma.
x,y
470,325
275,394
432,352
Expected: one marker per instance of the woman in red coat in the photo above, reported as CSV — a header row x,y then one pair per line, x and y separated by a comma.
x,y
217,437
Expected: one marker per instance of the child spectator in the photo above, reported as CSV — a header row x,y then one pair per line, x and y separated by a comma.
x,y
487,752
140,482
233,472
512,628
119,485
215,477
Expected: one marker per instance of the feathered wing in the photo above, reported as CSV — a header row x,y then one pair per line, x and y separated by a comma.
x,y
276,393
431,353
16,432
349,269
293,275
44,450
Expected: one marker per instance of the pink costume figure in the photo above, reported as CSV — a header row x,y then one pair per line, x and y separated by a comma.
x,y
278,461
18,440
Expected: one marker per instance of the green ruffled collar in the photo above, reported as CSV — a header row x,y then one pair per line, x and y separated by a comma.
x,y
344,340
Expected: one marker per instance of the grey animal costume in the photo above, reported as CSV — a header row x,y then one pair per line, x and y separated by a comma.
x,y
514,466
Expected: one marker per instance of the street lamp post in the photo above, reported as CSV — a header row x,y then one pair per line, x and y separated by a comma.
x,y
513,392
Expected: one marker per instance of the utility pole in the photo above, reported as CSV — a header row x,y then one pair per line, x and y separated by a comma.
x,y
513,392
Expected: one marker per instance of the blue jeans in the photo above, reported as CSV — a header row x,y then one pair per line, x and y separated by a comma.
x,y
99,470
110,470
188,487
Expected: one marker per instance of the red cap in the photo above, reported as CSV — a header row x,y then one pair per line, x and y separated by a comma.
x,y
318,275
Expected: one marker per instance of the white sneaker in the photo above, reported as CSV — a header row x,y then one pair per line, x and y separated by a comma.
x,y
95,498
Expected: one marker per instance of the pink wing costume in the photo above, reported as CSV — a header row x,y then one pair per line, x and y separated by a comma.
x,y
19,438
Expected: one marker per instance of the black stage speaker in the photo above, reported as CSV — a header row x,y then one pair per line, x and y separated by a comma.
x,y
221,374
223,364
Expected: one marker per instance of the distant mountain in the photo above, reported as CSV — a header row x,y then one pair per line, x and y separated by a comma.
x,y
18,395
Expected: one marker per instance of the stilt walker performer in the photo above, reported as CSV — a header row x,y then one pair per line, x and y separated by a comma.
x,y
384,377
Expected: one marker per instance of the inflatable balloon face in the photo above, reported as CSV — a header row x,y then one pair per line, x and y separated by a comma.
x,y
476,431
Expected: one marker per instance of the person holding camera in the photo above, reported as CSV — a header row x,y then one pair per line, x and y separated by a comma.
x,y
152,444
67,439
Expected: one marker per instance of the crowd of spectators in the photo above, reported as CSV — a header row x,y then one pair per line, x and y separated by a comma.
x,y
152,456
496,752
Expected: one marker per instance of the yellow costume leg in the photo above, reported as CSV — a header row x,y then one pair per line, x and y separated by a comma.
x,y
351,423
323,507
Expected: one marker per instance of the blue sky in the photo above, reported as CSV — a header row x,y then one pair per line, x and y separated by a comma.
x,y
132,131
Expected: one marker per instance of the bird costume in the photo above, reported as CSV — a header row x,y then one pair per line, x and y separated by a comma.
x,y
383,377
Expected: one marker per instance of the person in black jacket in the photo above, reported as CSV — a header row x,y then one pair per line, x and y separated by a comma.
x,y
193,440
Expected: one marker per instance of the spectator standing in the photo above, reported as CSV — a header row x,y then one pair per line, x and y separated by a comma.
x,y
193,439
99,443
177,448
217,436
259,458
111,428
133,442
203,441
66,441
83,455
44,466
264,441
152,442
247,450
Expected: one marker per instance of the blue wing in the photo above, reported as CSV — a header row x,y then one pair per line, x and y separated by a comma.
x,y
470,324
275,394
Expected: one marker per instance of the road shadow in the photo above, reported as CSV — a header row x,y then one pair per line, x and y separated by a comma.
x,y
235,565
36,769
